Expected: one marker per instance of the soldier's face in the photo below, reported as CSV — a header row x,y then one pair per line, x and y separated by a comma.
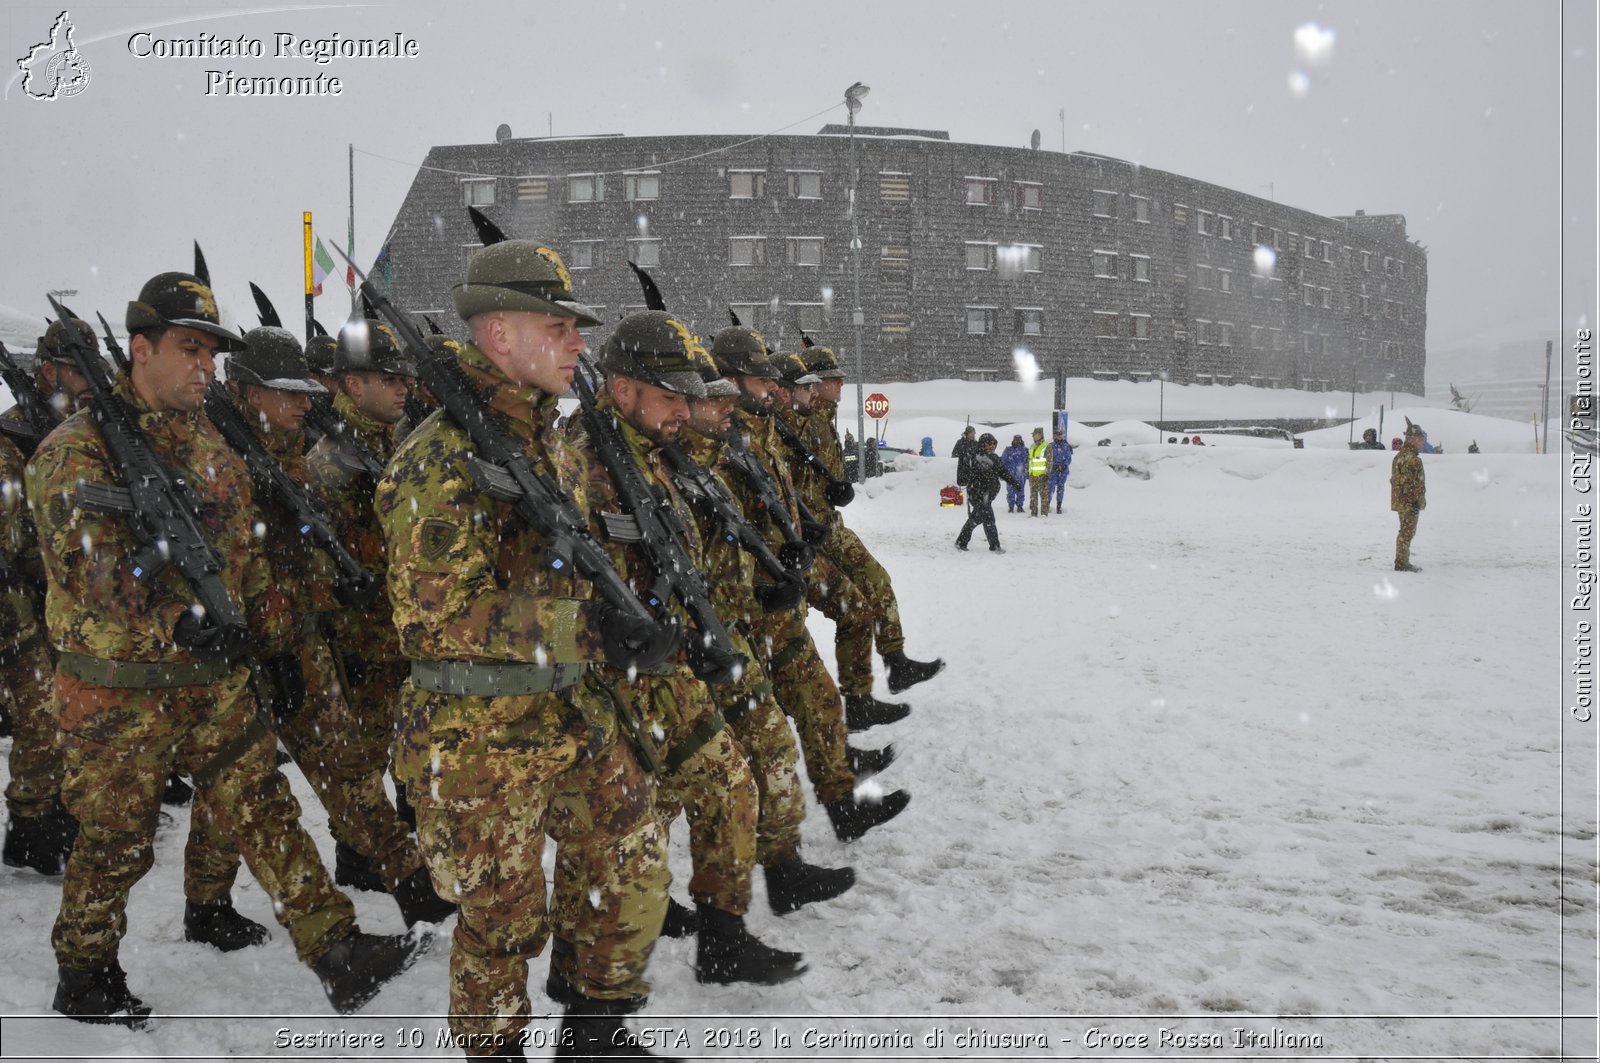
x,y
174,373
655,411
830,390
67,380
802,396
534,350
282,410
755,393
381,396
711,417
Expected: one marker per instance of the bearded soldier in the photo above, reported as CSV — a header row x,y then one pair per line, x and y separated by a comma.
x,y
147,680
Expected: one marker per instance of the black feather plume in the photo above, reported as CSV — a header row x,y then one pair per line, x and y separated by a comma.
x,y
264,308
488,231
200,269
652,294
316,326
433,326
734,318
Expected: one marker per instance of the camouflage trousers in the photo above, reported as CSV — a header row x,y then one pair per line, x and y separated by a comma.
x,y
1039,495
832,594
1408,531
490,777
705,776
341,758
120,745
769,747
871,580
806,692
35,760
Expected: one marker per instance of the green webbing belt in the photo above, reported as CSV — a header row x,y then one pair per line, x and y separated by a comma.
x,y
787,656
143,675
703,732
487,679
743,706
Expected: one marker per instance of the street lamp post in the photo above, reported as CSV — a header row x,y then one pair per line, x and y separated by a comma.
x,y
1161,414
852,102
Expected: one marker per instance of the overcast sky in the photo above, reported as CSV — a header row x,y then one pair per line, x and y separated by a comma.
x,y
1446,111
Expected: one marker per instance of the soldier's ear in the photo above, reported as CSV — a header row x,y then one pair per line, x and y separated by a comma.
x,y
140,348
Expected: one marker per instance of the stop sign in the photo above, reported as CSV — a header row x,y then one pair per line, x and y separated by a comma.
x,y
876,406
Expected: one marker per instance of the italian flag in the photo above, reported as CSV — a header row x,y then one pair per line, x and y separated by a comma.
x,y
321,266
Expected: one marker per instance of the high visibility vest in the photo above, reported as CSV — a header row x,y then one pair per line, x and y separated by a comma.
x,y
1038,459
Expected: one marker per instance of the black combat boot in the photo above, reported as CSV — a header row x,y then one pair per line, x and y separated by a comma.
x,y
868,761
217,924
593,1029
730,953
99,995
793,883
904,673
352,869
862,711
359,964
681,920
419,903
851,819
40,842
176,792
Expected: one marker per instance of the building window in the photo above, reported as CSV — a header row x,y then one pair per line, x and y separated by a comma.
x,y
894,187
1180,214
586,188
1277,338
1202,277
1021,258
1105,203
1256,230
1305,341
1105,324
747,184
1327,252
476,193
645,253
805,250
1105,263
1309,295
1141,326
1225,280
1029,196
533,189
1308,248
1141,209
1141,267
1257,335
1030,320
747,251
1202,333
1225,227
751,315
980,320
894,319
808,317
1203,219
805,184
1327,298
980,191
1224,334
1366,261
643,186
1399,267
1277,239
980,255
587,254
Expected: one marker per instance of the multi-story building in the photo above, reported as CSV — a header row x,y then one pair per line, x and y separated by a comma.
x,y
969,253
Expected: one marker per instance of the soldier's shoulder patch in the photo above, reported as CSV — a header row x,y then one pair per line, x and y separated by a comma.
x,y
437,537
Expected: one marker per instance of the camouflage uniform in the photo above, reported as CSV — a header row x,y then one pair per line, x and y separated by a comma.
x,y
490,775
346,776
122,734
1408,496
704,771
25,664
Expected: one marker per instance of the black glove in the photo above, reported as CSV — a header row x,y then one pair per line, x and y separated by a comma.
x,y
711,665
839,494
635,642
815,533
209,640
797,557
357,592
784,594
288,693
355,669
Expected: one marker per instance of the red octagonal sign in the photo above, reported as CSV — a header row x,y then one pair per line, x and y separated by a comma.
x,y
876,406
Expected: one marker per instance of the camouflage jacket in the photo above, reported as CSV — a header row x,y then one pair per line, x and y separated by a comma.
x,y
94,605
762,440
1408,487
348,492
820,430
23,568
809,483
732,591
468,580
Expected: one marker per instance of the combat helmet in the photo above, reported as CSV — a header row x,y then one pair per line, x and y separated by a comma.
x,y
181,300
368,346
823,362
656,348
792,371
272,358
741,351
53,347
519,275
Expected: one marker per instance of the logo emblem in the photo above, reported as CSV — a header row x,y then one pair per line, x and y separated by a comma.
x,y
691,346
204,303
559,266
55,69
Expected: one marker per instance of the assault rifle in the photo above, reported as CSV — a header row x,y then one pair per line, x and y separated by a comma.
x,y
38,416
160,505
658,529
348,452
354,586
502,470
838,492
118,359
795,553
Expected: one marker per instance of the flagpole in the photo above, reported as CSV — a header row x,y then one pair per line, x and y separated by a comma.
x,y
350,277
311,290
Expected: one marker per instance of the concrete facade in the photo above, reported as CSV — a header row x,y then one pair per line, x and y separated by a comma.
x,y
969,252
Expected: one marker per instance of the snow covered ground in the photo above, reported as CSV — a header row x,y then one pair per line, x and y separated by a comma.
x,y
1200,761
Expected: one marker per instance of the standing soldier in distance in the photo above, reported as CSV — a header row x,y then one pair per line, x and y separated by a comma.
x,y
1408,494
145,682
508,731
1038,475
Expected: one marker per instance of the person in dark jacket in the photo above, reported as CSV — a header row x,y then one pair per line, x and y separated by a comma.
x,y
1369,440
982,486
965,448
1015,459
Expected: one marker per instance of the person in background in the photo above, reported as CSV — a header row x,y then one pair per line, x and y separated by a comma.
x,y
1408,495
1369,440
1060,467
964,449
1015,459
987,472
1038,475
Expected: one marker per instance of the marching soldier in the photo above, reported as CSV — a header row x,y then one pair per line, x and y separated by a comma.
x,y
1408,494
507,729
146,681
651,373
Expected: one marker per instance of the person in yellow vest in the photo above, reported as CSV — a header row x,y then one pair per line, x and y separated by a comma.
x,y
1038,475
